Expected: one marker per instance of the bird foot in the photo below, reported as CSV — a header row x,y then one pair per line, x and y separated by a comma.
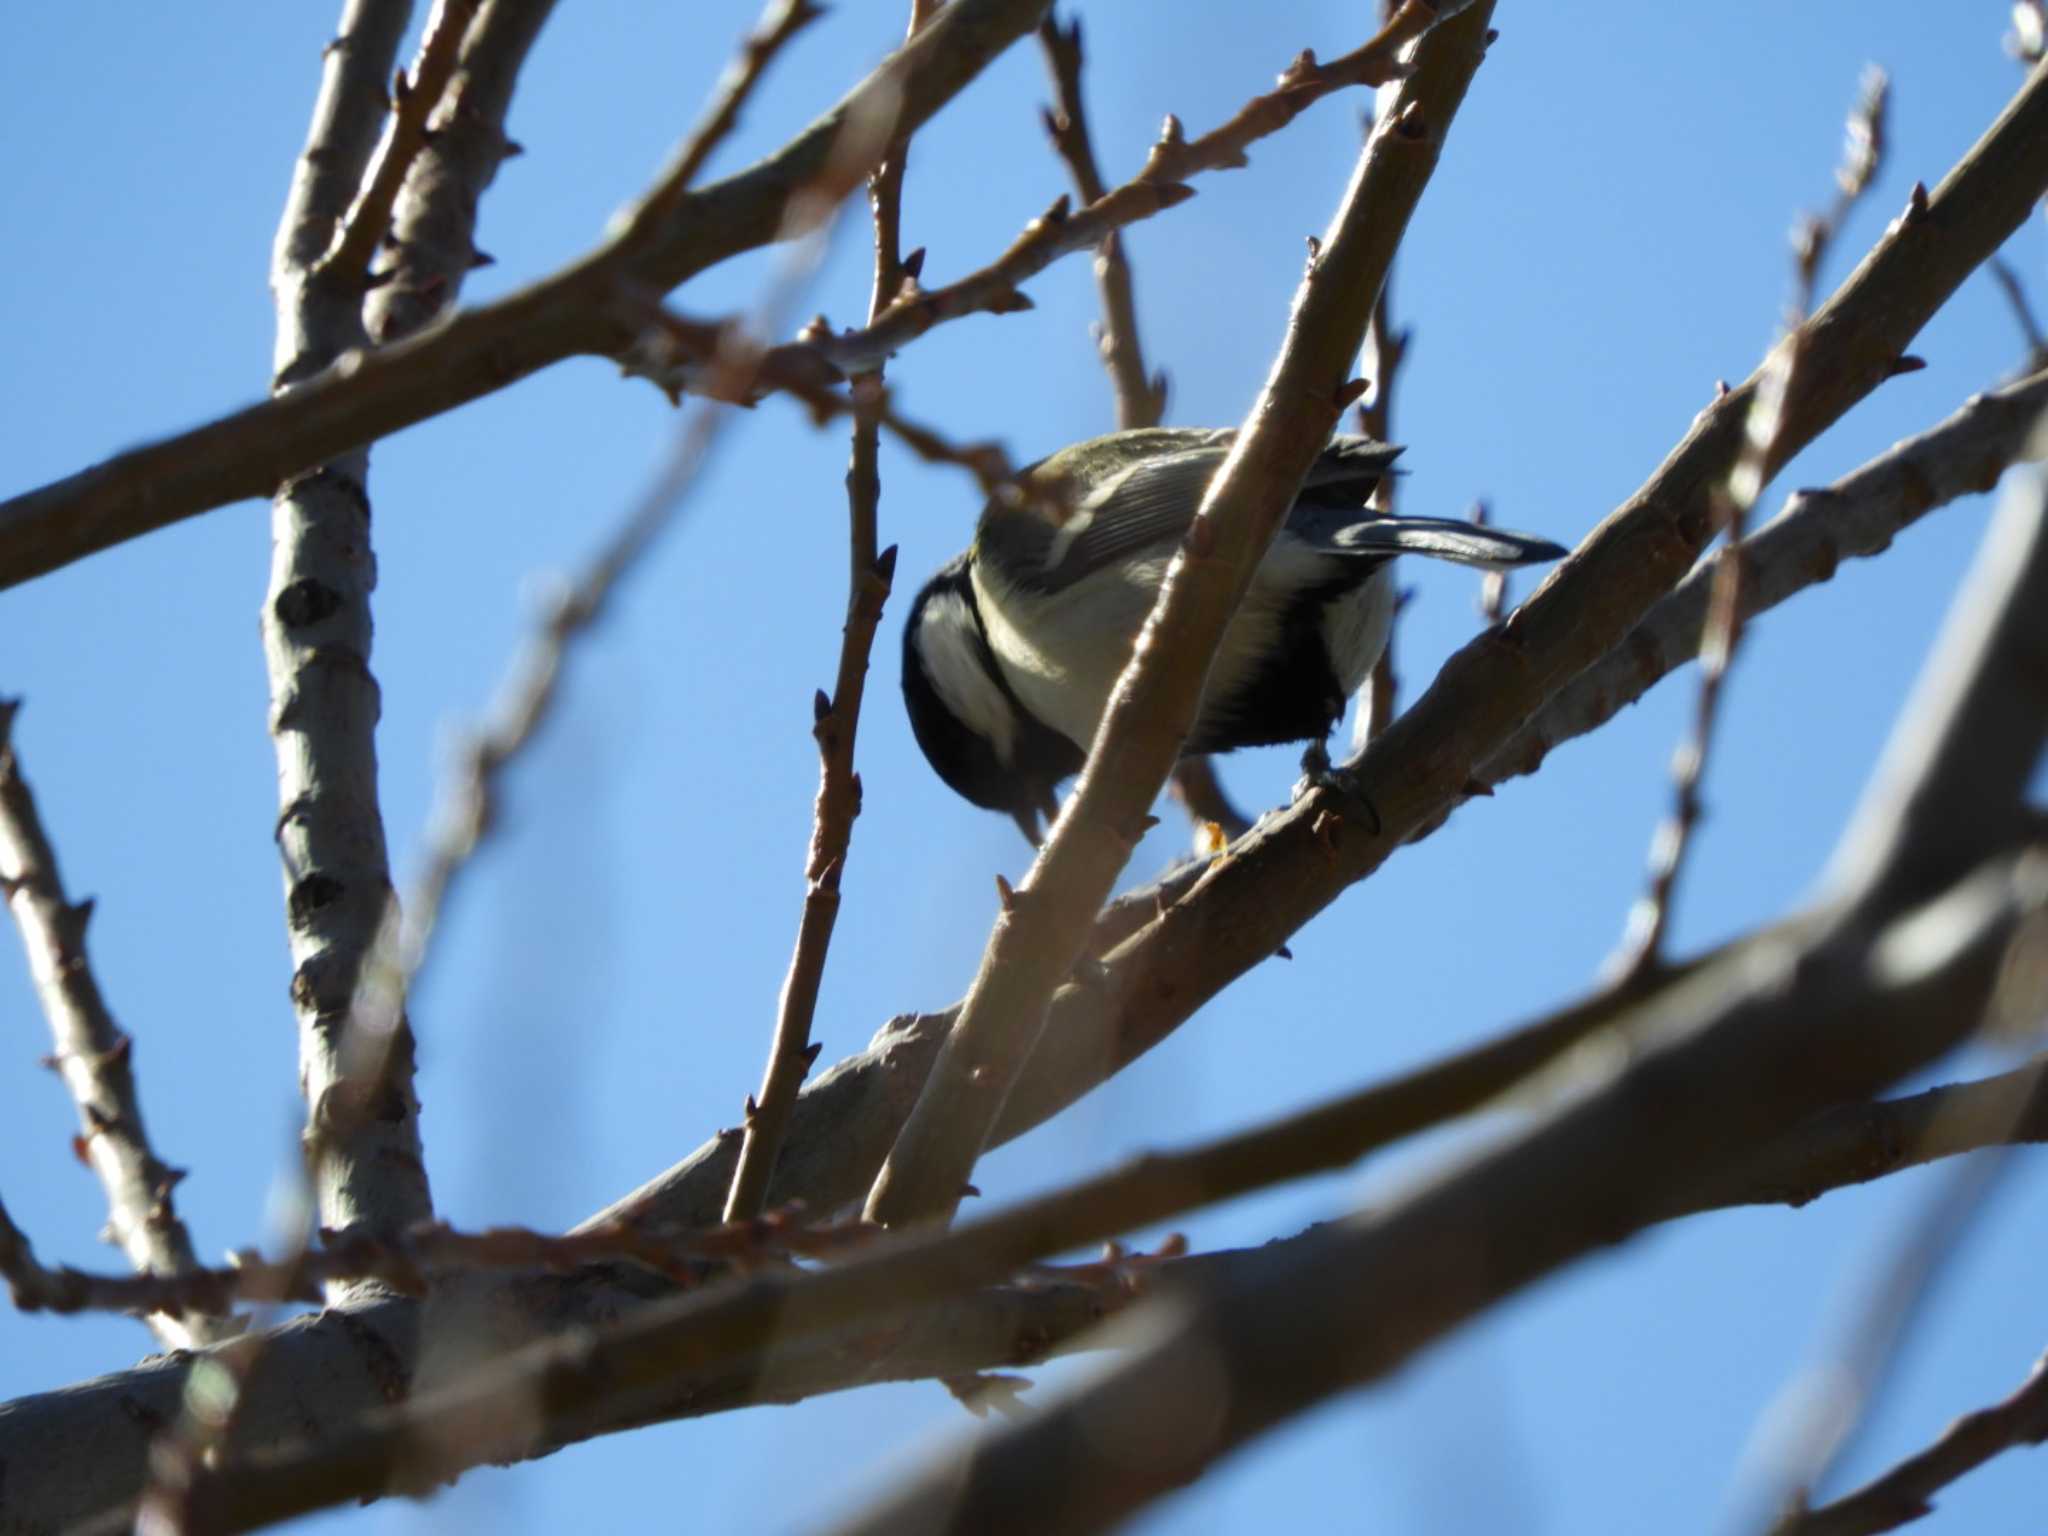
x,y
1316,773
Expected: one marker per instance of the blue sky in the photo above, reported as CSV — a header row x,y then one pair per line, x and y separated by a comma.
x,y
1604,239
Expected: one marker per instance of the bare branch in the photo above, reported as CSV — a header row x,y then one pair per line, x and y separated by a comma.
x,y
1856,1143
835,722
1040,937
415,1263
1305,82
1650,921
1952,782
1294,863
347,118
575,311
1907,1491
1385,350
1140,399
2022,313
414,97
1823,1011
433,236
362,1125
91,1053
1856,517
782,20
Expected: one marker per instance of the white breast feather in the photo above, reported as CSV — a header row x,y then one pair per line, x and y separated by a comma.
x,y
1062,652
946,642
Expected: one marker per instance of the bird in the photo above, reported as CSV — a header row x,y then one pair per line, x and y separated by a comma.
x,y
1011,650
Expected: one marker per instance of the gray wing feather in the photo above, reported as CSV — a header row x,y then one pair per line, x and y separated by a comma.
x,y
1151,503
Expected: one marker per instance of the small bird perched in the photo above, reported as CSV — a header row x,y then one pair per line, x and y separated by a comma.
x,y
1011,650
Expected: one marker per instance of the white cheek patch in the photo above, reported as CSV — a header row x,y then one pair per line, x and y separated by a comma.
x,y
950,648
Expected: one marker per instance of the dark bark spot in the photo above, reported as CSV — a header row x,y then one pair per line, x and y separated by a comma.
x,y
305,602
309,896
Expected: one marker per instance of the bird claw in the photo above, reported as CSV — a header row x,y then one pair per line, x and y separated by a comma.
x,y
1317,774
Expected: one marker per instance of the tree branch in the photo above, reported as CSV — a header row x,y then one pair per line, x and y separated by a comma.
x,y
835,724
433,235
91,1053
1040,934
575,310
414,98
1823,1011
1239,910
362,1134
1906,1492
1856,517
1140,398
1650,920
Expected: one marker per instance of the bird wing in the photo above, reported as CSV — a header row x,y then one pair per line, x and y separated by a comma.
x,y
1151,503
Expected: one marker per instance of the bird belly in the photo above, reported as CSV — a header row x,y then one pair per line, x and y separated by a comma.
x,y
1062,652
1355,629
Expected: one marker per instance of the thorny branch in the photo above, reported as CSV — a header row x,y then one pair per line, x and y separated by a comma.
x,y
90,1052
1906,1492
778,24
835,723
576,311
1140,398
413,1263
1041,932
1643,945
1882,979
413,99
1856,517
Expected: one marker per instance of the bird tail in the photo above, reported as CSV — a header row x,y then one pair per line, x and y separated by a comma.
x,y
1345,473
1445,538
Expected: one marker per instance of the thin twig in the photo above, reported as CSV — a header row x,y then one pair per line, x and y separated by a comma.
x,y
780,22
793,369
432,246
1063,229
1377,62
1140,397
414,96
1856,517
835,725
412,1263
1650,920
1906,1492
90,1052
2022,313
1856,1143
1493,585
1833,1398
